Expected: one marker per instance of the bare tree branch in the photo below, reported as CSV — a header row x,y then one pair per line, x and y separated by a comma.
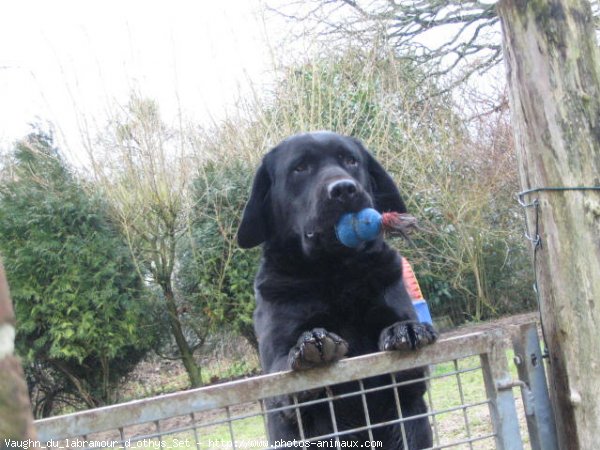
x,y
443,36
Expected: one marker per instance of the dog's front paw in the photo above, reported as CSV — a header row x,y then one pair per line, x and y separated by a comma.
x,y
407,335
317,347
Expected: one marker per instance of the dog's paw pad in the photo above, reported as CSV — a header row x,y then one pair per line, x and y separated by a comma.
x,y
407,335
317,347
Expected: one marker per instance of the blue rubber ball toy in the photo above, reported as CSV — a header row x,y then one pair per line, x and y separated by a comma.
x,y
355,228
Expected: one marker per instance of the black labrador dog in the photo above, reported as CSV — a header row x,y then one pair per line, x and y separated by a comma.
x,y
319,301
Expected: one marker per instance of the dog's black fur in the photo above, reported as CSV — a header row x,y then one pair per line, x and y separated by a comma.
x,y
318,301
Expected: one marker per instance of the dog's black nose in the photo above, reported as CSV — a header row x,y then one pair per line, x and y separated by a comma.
x,y
342,190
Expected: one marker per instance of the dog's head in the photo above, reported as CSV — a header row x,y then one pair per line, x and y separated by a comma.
x,y
306,183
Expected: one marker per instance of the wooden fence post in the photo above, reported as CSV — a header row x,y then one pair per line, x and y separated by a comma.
x,y
16,423
553,70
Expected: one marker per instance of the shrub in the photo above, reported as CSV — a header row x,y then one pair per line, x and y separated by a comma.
x,y
216,276
78,299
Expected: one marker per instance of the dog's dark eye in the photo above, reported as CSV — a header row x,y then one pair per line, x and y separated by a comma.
x,y
348,160
302,167
351,161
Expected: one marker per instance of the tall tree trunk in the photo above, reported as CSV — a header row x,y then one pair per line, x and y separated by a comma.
x,y
553,72
193,370
16,422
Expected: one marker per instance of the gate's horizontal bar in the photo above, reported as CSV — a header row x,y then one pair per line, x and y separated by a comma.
x,y
252,389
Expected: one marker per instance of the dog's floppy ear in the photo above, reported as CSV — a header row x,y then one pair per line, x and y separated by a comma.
x,y
255,220
385,193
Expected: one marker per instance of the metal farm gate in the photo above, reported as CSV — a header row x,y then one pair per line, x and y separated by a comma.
x,y
471,402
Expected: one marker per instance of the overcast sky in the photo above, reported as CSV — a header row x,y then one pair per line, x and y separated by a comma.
x,y
63,60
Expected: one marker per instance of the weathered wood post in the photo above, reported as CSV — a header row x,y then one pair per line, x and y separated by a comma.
x,y
553,70
16,425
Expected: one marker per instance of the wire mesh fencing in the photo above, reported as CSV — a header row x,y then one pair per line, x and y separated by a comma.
x,y
470,404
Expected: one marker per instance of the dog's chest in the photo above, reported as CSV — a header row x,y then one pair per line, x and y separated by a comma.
x,y
354,291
